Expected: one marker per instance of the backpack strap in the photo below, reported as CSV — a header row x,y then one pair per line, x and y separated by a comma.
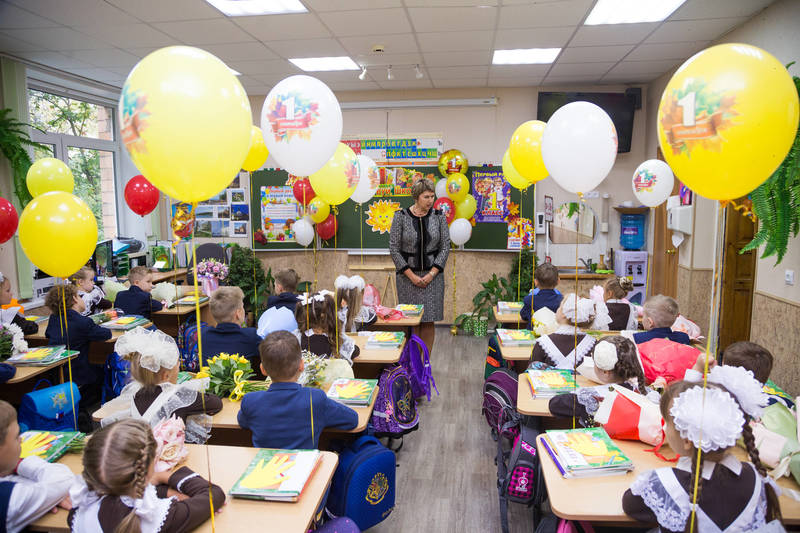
x,y
426,373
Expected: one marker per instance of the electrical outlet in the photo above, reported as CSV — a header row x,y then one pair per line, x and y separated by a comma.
x,y
592,194
788,277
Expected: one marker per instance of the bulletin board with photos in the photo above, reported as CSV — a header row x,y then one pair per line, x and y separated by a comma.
x,y
226,215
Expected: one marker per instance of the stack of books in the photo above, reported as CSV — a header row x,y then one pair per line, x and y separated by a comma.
x,y
585,452
356,392
550,382
516,337
125,323
36,318
385,340
54,443
509,307
259,482
410,310
191,300
41,356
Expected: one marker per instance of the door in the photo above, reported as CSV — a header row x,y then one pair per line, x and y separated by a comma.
x,y
664,274
738,279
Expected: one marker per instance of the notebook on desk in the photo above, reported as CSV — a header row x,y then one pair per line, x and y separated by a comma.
x,y
277,475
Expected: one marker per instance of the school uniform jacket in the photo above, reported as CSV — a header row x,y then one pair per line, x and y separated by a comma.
x,y
135,301
231,338
284,299
623,316
79,332
280,417
539,298
35,488
661,333
319,344
558,349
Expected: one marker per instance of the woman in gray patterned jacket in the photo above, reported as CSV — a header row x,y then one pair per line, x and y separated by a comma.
x,y
419,243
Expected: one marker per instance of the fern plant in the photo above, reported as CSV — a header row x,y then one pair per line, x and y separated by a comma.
x,y
776,202
522,284
14,139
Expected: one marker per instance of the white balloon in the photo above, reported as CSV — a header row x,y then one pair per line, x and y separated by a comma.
x,y
652,182
441,188
460,231
303,232
302,123
579,146
368,180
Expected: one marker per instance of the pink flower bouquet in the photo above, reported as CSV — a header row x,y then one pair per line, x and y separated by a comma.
x,y
170,435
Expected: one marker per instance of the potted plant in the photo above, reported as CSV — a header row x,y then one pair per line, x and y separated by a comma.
x,y
522,283
483,303
14,140
247,272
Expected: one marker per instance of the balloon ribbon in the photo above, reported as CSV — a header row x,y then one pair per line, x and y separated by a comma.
x,y
65,328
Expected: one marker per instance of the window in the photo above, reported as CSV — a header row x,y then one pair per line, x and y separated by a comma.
x,y
80,133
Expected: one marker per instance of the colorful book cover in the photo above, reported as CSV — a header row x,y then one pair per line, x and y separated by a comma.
x,y
125,323
386,339
516,337
352,391
36,318
509,307
410,309
49,445
548,383
38,355
191,300
279,475
587,451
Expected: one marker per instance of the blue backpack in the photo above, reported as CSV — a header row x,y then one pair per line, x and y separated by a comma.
x,y
49,409
395,412
187,345
363,484
416,359
116,374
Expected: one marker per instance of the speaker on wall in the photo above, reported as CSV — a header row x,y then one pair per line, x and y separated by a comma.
x,y
635,95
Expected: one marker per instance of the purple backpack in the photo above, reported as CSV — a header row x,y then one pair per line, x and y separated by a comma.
x,y
395,412
500,403
416,359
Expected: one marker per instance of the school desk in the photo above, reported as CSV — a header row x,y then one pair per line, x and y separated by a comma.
x,y
528,405
508,320
227,465
599,499
98,350
406,324
176,276
28,372
169,320
369,363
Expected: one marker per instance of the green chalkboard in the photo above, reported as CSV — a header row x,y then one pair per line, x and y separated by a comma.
x,y
357,224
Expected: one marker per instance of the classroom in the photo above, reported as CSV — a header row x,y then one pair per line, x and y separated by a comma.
x,y
399,265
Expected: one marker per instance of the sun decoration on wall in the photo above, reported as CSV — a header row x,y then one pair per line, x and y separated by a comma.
x,y
381,214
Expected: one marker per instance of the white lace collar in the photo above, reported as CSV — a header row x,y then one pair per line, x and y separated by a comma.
x,y
728,461
566,329
151,509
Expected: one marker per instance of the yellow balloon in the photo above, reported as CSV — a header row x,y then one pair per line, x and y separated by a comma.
x,y
511,175
453,161
318,210
466,207
457,186
185,120
525,150
258,152
58,233
336,181
727,119
49,174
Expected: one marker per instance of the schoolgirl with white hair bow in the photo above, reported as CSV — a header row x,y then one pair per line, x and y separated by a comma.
x,y
350,295
319,330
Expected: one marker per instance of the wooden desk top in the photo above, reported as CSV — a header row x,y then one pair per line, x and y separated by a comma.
x,y
228,463
403,322
600,498
180,310
170,275
515,353
507,318
40,336
27,372
382,356
528,405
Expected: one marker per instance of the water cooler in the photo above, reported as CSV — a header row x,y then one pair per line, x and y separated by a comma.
x,y
631,261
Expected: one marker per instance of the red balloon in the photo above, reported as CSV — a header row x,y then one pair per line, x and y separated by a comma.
x,y
327,228
446,206
8,220
141,196
303,191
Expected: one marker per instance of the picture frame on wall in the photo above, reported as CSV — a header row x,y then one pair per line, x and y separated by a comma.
x,y
685,194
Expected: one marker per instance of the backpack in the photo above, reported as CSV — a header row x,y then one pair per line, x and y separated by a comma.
x,y
363,484
395,412
371,297
116,374
553,524
493,358
500,403
517,470
416,359
667,359
187,345
51,408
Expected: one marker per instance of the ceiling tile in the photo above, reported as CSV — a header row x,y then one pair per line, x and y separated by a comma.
x,y
584,69
612,34
428,19
575,78
450,3
693,30
11,44
283,27
358,85
339,76
405,84
556,37
76,12
13,17
566,13
97,74
649,52
400,73
454,59
307,48
450,41
644,67
388,59
364,22
588,54
457,73
529,81
270,79
54,59
272,66
252,51
709,9
348,5
129,36
60,38
452,84
212,31
518,71
104,57
167,10
629,78
399,43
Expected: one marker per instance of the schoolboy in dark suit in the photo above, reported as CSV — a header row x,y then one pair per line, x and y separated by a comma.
x,y
285,288
227,308
137,300
659,314
545,294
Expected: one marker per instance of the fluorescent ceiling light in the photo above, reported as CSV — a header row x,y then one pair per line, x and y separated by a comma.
x,y
631,11
247,8
525,56
399,104
318,64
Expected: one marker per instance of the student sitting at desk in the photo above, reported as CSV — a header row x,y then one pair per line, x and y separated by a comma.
x,y
137,300
281,417
317,328
93,296
545,278
758,360
285,289
660,313
350,294
227,308
6,299
622,313
559,349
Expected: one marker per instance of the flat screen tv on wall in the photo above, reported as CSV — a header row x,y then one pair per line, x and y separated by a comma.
x,y
619,107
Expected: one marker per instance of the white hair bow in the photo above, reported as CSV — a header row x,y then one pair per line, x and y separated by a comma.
x,y
157,350
353,282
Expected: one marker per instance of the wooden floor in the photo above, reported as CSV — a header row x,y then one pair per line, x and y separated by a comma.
x,y
446,480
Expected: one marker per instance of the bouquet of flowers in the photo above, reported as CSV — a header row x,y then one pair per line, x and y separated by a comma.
x,y
170,435
228,376
213,269
12,341
320,372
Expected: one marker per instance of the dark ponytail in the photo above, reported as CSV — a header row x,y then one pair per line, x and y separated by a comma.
x,y
773,505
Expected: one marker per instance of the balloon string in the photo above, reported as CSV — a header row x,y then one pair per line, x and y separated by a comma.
x,y
454,283
65,328
575,332
361,231
647,278
744,209
335,299
534,241
315,262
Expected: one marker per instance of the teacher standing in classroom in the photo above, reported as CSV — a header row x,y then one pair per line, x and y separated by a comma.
x,y
419,243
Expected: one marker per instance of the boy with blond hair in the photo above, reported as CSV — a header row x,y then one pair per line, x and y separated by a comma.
x,y
285,288
137,300
660,313
227,308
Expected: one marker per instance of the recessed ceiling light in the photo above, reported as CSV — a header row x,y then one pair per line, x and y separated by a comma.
x,y
235,72
319,64
247,8
389,75
525,56
631,11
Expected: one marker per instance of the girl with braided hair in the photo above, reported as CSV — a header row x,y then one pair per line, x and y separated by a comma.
x,y
731,495
119,491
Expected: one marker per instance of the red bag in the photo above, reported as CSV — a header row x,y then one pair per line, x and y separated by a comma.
x,y
627,415
667,359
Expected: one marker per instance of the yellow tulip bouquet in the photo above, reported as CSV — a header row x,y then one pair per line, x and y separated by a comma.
x,y
228,376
